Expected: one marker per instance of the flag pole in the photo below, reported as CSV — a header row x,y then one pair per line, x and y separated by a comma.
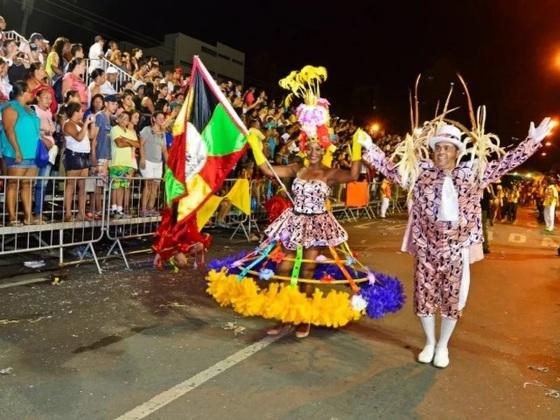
x,y
227,106
280,181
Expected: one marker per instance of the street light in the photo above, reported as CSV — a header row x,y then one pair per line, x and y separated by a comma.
x,y
375,127
556,60
553,123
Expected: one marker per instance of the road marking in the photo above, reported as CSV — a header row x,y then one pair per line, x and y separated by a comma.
x,y
363,225
517,238
549,243
166,397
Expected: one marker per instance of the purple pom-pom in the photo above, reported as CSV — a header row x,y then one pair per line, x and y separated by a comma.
x,y
384,296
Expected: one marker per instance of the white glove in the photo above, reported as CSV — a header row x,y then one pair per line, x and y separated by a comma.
x,y
541,131
364,139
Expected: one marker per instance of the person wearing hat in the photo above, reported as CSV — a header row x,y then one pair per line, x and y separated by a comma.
x,y
444,231
108,87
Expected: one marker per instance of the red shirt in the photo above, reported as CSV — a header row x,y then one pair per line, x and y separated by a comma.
x,y
249,98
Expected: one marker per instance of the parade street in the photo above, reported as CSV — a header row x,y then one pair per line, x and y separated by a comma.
x,y
152,344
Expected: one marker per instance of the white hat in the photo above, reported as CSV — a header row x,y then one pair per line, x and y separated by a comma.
x,y
448,133
112,70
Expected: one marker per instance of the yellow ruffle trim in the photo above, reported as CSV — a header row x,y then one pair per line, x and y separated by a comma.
x,y
280,301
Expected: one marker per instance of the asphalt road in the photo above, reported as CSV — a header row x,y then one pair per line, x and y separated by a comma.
x,y
152,344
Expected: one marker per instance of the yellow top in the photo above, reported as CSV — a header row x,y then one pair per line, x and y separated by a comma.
x,y
122,156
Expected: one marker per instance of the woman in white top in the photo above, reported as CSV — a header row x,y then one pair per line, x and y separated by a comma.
x,y
76,158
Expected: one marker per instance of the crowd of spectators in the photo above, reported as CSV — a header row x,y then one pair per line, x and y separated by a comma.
x,y
113,130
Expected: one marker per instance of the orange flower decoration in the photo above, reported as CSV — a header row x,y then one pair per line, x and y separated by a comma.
x,y
277,256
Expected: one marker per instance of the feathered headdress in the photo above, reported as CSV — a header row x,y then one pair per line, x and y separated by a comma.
x,y
313,113
483,145
414,148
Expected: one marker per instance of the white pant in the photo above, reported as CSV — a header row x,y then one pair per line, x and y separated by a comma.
x,y
549,213
384,206
152,170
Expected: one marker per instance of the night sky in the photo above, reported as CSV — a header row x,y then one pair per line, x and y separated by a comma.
x,y
373,50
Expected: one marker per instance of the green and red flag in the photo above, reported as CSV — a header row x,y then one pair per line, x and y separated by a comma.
x,y
208,140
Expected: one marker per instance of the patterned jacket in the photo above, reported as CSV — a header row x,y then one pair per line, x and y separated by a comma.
x,y
426,196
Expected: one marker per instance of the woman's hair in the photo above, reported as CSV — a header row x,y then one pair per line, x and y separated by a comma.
x,y
149,90
93,100
156,113
32,69
58,46
123,114
160,104
96,73
70,94
75,48
72,108
42,91
18,89
131,113
73,63
128,92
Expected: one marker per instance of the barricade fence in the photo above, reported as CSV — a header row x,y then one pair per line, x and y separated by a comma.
x,y
133,210
53,213
47,213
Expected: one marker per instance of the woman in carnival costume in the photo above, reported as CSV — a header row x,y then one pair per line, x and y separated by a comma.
x,y
305,245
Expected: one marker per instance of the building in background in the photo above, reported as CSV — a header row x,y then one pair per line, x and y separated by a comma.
x,y
177,50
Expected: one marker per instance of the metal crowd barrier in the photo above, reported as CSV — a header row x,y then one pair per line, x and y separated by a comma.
x,y
37,214
9,35
142,201
40,218
229,217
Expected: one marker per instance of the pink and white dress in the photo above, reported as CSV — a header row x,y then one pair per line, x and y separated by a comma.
x,y
308,223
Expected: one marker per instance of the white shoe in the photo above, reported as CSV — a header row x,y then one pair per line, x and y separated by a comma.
x,y
441,359
427,354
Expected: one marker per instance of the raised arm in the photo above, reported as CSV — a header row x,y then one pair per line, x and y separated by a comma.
x,y
375,157
342,176
254,138
520,154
